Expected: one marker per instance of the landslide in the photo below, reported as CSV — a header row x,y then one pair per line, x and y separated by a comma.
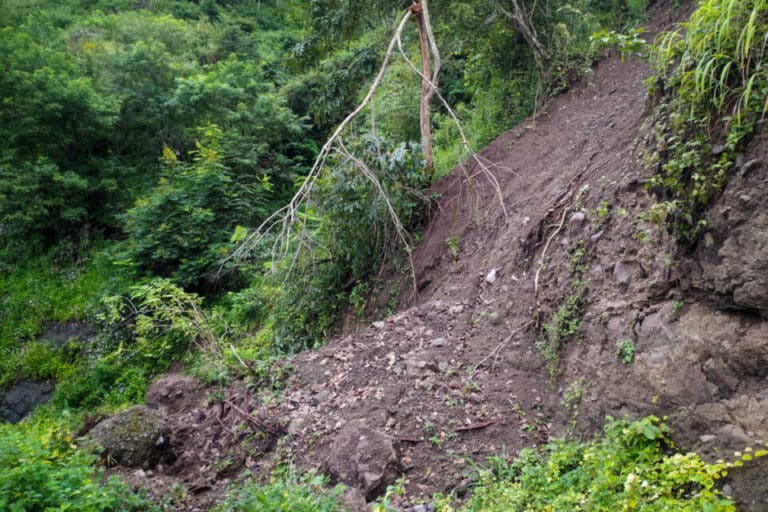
x,y
455,376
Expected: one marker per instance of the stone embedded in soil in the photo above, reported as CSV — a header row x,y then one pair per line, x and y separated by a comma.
x,y
365,459
352,500
622,272
136,437
576,222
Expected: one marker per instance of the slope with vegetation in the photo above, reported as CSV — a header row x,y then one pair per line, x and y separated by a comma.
x,y
144,143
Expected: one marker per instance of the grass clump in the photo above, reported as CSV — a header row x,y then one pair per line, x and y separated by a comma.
x,y
713,71
628,468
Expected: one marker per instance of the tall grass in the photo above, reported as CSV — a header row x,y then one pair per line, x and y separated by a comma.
x,y
716,60
714,73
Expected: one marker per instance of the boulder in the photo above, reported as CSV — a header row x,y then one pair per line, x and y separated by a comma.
x,y
136,437
364,458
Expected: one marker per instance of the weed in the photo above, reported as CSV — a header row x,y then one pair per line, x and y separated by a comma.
x,y
289,491
625,351
627,44
603,210
452,242
581,197
565,322
572,399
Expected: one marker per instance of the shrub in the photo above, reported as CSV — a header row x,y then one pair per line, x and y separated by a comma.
x,y
628,468
41,469
182,227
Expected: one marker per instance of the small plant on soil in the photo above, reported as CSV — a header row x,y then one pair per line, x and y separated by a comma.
x,y
566,321
572,398
452,242
625,351
676,307
603,210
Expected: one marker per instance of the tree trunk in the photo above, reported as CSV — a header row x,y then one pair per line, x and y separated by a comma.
x,y
430,75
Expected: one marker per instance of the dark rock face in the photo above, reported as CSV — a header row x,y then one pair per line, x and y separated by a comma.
x,y
59,333
731,261
364,458
136,437
20,400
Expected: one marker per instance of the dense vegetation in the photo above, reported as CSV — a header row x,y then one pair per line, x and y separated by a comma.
x,y
626,469
143,141
713,73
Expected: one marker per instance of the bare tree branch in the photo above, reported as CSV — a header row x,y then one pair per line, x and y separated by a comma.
x,y
464,141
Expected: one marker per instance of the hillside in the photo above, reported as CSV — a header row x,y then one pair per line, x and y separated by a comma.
x,y
455,376
583,324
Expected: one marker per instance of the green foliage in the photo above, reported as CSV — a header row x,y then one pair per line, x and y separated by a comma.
x,y
358,298
41,469
92,90
627,44
42,290
290,492
566,321
145,330
628,468
625,351
182,228
293,302
713,72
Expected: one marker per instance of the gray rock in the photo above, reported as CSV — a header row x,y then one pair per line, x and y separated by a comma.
x,y
61,332
378,325
438,342
491,276
576,222
622,273
728,490
707,438
21,399
136,437
365,459
352,500
597,236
